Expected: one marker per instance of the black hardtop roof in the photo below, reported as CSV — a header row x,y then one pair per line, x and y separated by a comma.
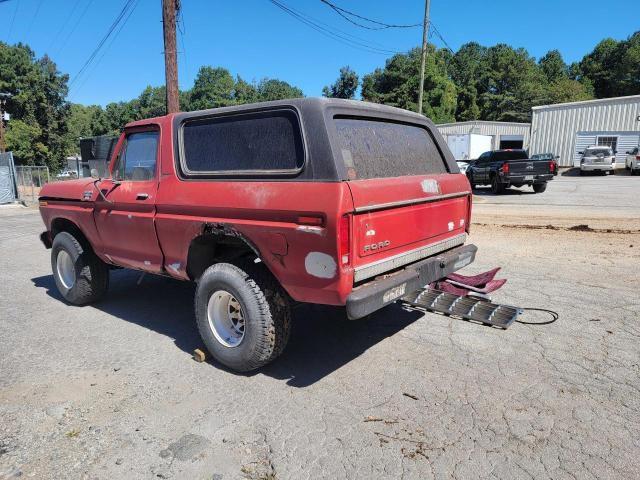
x,y
353,107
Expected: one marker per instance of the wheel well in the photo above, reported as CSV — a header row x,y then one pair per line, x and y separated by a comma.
x,y
207,249
64,225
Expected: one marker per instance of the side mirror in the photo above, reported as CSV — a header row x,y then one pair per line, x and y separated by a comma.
x,y
615,151
94,173
580,153
557,157
628,153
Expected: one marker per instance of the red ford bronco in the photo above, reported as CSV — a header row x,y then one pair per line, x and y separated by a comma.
x,y
323,201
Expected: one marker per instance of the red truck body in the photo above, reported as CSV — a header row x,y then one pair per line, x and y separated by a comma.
x,y
322,238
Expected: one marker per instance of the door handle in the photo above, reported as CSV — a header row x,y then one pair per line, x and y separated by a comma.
x,y
142,196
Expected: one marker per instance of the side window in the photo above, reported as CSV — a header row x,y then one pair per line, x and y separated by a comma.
x,y
137,158
252,143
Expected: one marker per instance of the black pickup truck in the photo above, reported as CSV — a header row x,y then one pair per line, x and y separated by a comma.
x,y
505,168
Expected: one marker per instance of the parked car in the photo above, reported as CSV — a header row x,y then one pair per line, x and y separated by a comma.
x,y
632,161
66,174
505,168
548,157
310,200
598,159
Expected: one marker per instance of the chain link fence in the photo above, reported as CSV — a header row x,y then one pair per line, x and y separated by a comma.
x,y
30,179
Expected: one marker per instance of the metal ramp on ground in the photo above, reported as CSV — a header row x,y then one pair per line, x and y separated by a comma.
x,y
466,307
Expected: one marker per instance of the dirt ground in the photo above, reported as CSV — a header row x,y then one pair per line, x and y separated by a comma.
x,y
112,391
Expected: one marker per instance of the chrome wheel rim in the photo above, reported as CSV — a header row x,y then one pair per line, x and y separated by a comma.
x,y
65,269
226,318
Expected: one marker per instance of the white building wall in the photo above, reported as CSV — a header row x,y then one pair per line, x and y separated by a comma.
x,y
494,129
555,128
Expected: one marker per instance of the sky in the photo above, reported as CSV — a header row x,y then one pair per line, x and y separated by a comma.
x,y
256,39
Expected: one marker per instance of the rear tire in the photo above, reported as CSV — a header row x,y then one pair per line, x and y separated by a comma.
x,y
243,315
539,187
81,277
497,187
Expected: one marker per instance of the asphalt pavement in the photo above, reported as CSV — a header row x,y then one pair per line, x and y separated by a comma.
x,y
112,391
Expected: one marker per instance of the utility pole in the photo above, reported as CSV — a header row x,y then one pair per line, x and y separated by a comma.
x,y
170,54
425,36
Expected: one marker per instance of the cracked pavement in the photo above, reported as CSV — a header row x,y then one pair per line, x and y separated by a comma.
x,y
112,391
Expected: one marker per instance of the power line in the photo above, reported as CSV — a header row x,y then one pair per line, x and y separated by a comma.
x,y
331,33
342,32
64,24
106,49
33,19
75,26
183,31
113,26
346,14
13,19
437,33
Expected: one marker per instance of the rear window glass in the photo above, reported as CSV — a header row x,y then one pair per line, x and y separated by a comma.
x,y
599,151
378,149
265,142
510,155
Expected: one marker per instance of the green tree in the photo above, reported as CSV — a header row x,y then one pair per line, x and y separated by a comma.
x,y
273,89
345,86
566,90
466,68
152,102
83,121
398,83
38,92
553,66
213,87
245,92
24,140
510,85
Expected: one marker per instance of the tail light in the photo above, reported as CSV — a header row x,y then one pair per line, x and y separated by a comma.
x,y
344,237
637,157
505,168
552,166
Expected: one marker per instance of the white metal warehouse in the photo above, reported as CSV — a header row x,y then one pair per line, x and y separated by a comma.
x,y
467,140
566,129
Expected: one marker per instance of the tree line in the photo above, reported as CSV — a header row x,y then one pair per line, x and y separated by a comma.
x,y
475,83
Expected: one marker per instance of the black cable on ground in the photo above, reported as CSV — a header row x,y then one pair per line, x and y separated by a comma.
x,y
554,316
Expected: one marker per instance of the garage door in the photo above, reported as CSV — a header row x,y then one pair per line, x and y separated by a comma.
x,y
511,141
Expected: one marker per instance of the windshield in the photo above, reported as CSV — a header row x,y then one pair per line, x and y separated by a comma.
x,y
598,151
380,149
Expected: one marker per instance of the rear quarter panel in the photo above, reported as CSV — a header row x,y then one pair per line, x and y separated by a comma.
x,y
303,258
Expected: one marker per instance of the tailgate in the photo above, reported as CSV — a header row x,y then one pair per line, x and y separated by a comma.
x,y
529,167
406,219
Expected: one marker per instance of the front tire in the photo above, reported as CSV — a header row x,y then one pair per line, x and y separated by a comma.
x,y
81,277
243,315
470,178
539,187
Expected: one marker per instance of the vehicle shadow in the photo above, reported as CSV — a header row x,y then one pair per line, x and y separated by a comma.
x,y
486,192
322,339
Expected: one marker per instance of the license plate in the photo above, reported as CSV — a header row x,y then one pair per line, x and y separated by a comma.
x,y
528,177
394,293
